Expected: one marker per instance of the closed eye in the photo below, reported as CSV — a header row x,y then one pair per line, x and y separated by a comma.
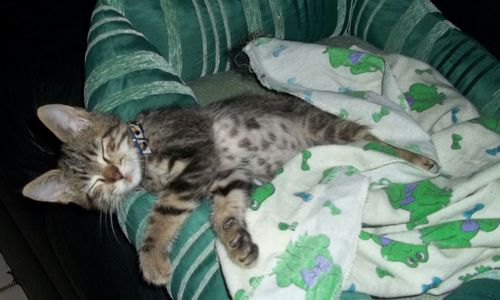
x,y
93,184
103,152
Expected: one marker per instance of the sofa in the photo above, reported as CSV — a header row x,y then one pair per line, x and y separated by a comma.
x,y
80,255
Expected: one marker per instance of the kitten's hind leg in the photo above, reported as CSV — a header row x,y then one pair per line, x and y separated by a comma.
x,y
230,201
167,217
323,128
416,159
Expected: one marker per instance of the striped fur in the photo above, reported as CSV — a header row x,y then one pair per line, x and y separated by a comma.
x,y
213,151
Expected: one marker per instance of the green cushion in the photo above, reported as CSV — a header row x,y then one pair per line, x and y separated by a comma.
x,y
194,36
196,272
478,289
417,29
125,74
137,57
141,52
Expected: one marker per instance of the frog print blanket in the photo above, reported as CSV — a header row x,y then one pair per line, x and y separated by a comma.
x,y
357,217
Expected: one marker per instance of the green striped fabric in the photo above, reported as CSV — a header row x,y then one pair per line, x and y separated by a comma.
x,y
140,53
124,72
196,273
195,35
416,28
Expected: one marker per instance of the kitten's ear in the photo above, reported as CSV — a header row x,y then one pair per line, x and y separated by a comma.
x,y
49,187
63,120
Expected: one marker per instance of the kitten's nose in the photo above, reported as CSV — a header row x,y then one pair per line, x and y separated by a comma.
x,y
112,174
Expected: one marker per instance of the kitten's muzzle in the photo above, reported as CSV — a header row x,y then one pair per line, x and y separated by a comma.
x,y
112,174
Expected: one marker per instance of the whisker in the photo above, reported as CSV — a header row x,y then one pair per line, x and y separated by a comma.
x,y
100,223
112,208
105,217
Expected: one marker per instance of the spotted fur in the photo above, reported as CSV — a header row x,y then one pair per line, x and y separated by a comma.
x,y
197,152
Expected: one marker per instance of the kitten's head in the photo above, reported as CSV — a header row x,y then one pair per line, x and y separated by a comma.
x,y
99,163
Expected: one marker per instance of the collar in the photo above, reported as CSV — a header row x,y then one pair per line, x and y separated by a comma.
x,y
137,134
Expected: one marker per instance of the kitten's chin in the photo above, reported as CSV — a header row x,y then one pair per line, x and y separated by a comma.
x,y
132,176
129,183
120,192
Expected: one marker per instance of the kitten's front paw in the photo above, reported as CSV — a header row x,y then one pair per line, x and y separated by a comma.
x,y
155,266
239,242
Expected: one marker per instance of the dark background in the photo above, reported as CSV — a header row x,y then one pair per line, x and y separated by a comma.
x,y
480,19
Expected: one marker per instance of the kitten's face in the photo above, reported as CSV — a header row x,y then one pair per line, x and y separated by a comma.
x,y
99,163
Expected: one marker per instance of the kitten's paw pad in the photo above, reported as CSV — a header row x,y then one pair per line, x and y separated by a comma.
x,y
156,268
228,223
242,249
238,241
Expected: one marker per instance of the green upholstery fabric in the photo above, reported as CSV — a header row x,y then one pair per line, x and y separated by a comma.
x,y
196,273
417,29
140,53
479,289
124,72
195,36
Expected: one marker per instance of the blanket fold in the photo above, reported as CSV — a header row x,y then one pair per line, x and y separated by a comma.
x,y
357,217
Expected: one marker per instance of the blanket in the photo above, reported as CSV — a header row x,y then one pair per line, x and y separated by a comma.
x,y
357,217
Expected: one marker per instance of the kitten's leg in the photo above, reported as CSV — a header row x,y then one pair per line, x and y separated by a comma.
x,y
167,217
419,160
324,128
230,201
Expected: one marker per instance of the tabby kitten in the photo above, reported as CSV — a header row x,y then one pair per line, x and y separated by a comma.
x,y
189,153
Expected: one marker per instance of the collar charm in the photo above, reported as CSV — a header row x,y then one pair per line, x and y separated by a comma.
x,y
137,134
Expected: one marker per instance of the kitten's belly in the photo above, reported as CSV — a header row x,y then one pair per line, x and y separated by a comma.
x,y
260,149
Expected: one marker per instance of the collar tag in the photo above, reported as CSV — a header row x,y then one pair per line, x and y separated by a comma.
x,y
137,134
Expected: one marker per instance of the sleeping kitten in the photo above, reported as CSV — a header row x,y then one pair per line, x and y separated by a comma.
x,y
189,153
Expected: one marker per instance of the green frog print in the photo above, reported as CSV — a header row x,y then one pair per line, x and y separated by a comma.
x,y
421,97
377,146
344,114
377,116
285,226
334,210
307,264
409,254
358,62
479,270
306,155
330,173
355,94
381,273
456,234
260,194
455,141
254,282
491,123
420,199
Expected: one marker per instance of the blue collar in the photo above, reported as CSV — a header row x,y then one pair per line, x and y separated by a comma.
x,y
137,134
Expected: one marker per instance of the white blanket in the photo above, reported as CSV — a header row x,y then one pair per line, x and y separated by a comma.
x,y
357,217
